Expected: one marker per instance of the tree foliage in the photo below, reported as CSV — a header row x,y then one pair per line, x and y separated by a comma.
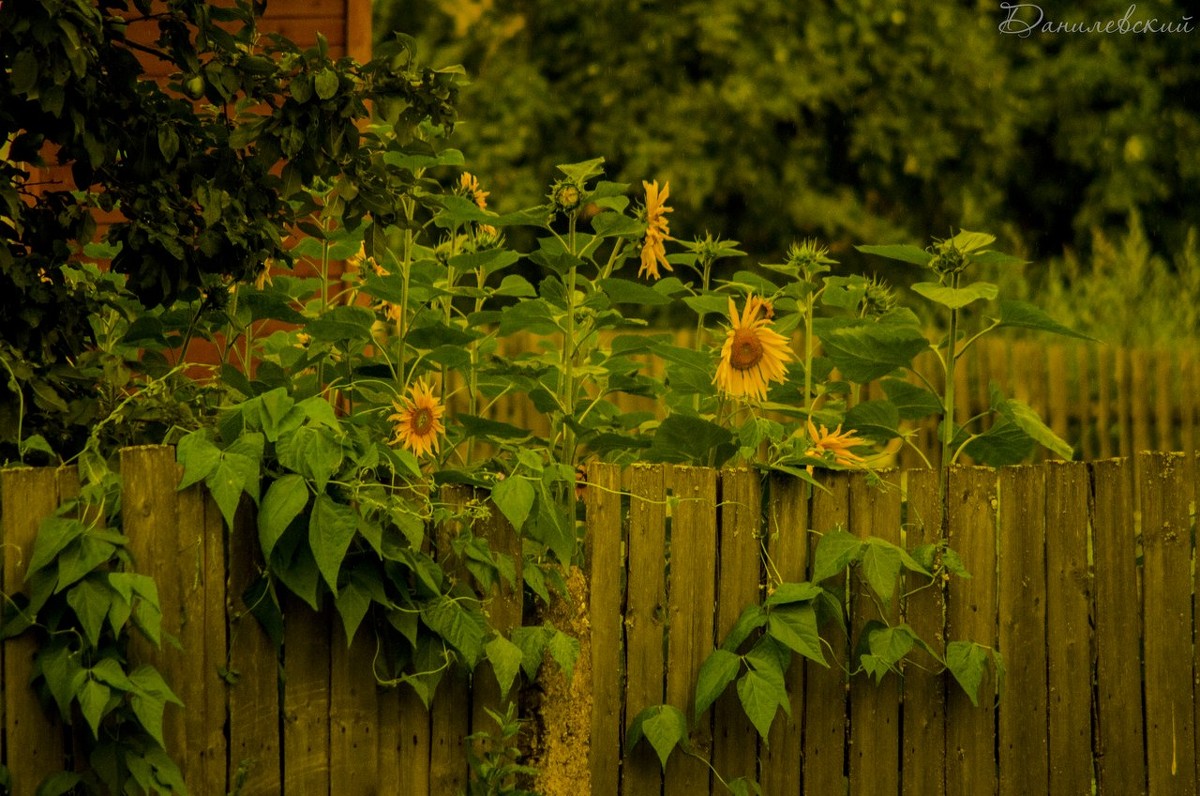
x,y
209,173
841,118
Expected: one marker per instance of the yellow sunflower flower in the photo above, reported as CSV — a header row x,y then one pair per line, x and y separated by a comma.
x,y
418,420
469,184
837,442
753,355
654,252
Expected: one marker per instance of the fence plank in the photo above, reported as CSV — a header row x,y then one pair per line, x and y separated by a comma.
x,y
646,600
923,763
690,625
413,752
254,743
825,688
971,616
307,658
1024,740
1083,404
151,520
604,560
787,543
204,640
875,708
1166,600
451,706
353,714
1139,388
1122,388
735,741
33,741
504,607
1120,752
1068,613
1104,421
1165,402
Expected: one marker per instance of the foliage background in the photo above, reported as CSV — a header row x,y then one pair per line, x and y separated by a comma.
x,y
847,119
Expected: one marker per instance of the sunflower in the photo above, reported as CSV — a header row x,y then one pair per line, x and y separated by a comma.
x,y
837,442
418,420
753,355
654,252
469,184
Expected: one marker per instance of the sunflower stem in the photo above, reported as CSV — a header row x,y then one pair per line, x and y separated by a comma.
x,y
948,407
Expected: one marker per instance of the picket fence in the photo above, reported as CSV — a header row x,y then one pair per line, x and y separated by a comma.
x,y
1092,605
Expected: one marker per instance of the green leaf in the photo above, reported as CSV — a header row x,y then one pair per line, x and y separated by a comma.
x,y
795,626
352,603
761,695
516,286
613,225
53,535
489,261
911,401
625,291
793,593
664,726
845,292
901,252
565,651
1003,444
109,672
966,661
514,497
199,457
325,84
342,325
1025,418
63,675
79,559
881,562
690,439
278,413
716,673
506,659
752,617
149,710
286,497
835,551
458,211
583,171
461,628
532,641
864,351
330,530
877,420
312,452
60,782
90,599
1026,316
93,697
956,298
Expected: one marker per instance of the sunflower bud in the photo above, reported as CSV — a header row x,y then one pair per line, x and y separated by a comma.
x,y
879,299
566,196
947,259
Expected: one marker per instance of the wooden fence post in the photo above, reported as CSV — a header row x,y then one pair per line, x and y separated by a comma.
x,y
690,592
1021,593
645,615
1167,623
971,616
1120,745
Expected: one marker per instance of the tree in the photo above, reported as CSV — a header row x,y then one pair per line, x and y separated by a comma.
x,y
209,172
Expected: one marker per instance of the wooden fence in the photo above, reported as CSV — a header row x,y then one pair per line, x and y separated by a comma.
x,y
1106,401
1092,606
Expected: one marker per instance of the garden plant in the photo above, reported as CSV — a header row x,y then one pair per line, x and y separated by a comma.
x,y
368,312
